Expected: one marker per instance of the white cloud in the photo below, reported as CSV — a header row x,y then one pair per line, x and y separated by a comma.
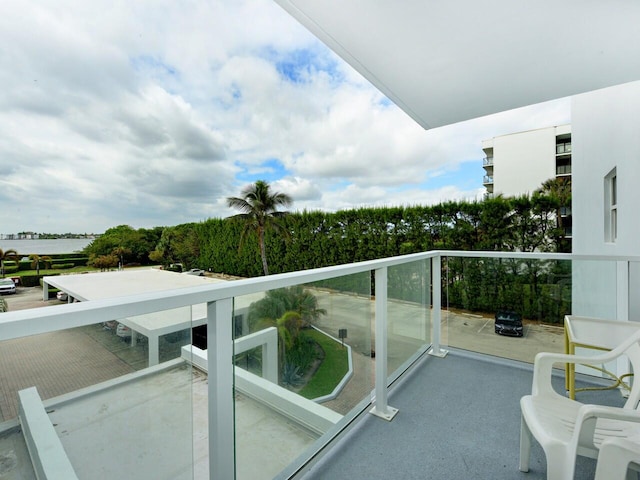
x,y
152,113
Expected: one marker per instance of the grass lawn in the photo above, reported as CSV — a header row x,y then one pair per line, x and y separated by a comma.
x,y
332,369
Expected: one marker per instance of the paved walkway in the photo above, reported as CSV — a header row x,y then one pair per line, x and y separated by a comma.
x,y
58,362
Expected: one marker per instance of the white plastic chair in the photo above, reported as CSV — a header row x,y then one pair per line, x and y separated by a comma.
x,y
566,428
615,458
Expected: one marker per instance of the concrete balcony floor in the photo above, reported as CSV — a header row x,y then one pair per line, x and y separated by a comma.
x,y
459,418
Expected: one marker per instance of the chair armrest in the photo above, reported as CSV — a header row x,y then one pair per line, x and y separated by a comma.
x,y
544,362
588,415
612,413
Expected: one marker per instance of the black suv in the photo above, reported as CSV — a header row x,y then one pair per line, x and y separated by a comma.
x,y
509,323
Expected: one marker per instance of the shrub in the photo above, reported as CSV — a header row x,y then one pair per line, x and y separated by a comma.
x,y
61,266
31,280
10,268
24,265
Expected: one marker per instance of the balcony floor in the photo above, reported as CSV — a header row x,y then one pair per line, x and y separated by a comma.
x,y
459,418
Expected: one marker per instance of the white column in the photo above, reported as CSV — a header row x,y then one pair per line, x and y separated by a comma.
x,y
154,348
220,389
270,356
45,291
436,312
381,409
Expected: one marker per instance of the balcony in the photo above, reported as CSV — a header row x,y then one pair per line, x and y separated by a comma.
x,y
105,408
487,161
562,170
487,180
563,148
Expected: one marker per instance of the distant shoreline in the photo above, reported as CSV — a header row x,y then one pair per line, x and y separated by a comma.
x,y
45,246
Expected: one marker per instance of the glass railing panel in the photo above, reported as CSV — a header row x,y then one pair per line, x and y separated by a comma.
x,y
408,312
316,368
511,308
109,410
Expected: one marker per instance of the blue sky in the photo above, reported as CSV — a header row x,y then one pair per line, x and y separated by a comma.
x,y
153,114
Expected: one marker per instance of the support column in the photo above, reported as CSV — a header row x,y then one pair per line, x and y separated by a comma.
x,y
270,356
154,347
220,389
436,312
381,409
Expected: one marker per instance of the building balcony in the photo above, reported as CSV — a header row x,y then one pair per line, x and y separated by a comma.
x,y
563,148
562,170
487,161
487,180
151,405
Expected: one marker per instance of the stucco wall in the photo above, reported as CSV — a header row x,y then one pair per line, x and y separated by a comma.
x,y
606,135
522,161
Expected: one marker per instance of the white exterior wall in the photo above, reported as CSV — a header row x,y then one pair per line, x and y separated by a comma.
x,y
606,135
523,161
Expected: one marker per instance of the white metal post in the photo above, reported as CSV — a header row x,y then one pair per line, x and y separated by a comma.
x,y
436,312
380,408
221,408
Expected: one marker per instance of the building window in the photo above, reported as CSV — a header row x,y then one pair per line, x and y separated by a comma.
x,y
611,207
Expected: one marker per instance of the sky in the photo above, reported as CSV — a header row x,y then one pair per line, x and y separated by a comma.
x,y
152,113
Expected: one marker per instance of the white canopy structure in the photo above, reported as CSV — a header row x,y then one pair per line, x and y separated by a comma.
x,y
445,62
106,285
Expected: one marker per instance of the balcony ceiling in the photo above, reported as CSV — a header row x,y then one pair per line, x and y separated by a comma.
x,y
445,62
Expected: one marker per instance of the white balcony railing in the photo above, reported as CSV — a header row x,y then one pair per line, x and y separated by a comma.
x,y
431,271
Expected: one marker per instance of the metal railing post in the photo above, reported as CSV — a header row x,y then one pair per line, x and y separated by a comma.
x,y
436,312
380,408
220,389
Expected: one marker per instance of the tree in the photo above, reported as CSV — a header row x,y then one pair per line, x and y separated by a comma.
x,y
282,300
7,255
558,190
35,262
259,207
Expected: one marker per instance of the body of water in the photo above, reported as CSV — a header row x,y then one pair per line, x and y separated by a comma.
x,y
45,247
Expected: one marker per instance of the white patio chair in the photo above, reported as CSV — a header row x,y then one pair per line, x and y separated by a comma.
x,y
615,458
566,428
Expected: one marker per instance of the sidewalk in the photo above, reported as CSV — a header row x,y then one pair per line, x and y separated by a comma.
x,y
59,362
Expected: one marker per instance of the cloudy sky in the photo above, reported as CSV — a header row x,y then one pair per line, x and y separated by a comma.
x,y
151,113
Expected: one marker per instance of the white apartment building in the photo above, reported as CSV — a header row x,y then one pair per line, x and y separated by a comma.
x,y
518,163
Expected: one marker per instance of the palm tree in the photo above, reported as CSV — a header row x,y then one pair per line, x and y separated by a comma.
x,y
259,209
7,255
559,192
35,262
282,300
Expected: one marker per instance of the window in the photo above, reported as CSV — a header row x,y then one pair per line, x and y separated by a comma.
x,y
611,207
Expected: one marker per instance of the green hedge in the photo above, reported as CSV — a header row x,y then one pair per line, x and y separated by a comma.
x,y
62,266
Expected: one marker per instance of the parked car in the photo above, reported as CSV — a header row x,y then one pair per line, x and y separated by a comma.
x,y
123,331
7,286
62,296
194,271
508,323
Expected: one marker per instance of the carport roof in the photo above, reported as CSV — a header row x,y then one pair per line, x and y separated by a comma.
x,y
105,285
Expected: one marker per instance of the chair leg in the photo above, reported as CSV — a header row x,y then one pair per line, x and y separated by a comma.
x,y
525,445
560,466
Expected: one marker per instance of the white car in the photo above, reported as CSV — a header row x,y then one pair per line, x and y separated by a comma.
x,y
7,286
195,271
62,296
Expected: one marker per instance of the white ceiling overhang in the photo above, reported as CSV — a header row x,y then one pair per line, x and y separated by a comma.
x,y
447,61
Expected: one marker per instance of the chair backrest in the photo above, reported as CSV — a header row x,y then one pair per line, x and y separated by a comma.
x,y
633,353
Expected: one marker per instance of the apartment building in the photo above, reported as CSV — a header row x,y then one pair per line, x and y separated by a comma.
x,y
519,163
